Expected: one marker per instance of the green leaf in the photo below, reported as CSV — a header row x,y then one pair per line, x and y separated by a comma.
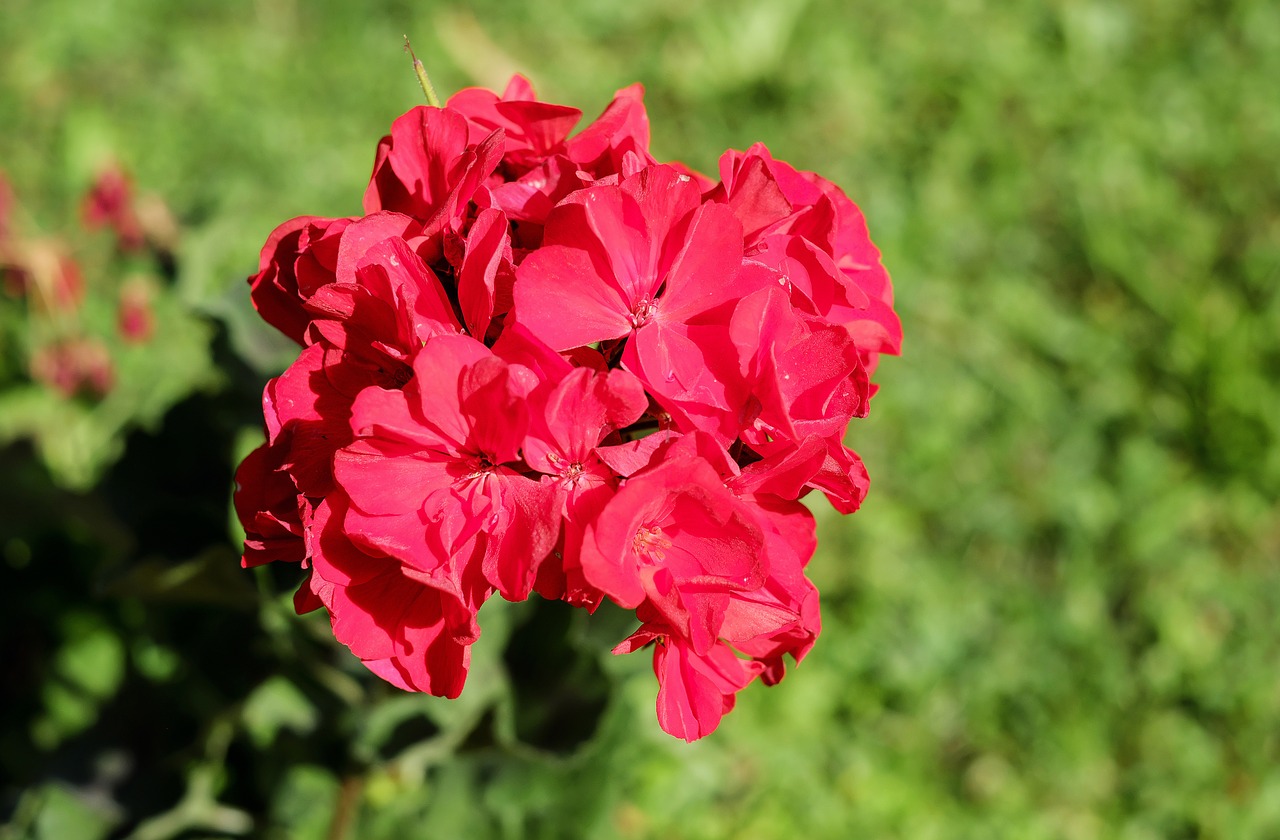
x,y
277,705
304,805
64,815
87,670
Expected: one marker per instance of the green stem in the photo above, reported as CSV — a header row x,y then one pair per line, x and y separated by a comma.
x,y
423,79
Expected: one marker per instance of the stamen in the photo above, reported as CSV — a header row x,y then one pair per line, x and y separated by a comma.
x,y
481,465
650,543
643,312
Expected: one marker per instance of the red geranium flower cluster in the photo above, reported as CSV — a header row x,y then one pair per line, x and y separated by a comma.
x,y
543,362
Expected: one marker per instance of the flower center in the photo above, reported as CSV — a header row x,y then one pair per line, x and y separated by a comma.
x,y
480,466
650,543
569,471
397,374
643,312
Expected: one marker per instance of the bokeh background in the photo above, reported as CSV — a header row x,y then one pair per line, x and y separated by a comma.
x,y
1056,616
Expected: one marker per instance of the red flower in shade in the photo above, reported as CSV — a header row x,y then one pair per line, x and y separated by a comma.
x,y
109,203
73,367
134,318
544,361
267,502
274,289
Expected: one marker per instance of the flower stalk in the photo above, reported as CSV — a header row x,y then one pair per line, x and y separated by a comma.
x,y
423,79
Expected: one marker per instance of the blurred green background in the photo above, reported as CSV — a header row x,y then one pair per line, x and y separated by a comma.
x,y
1057,614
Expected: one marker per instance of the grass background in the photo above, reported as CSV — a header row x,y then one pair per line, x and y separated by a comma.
x,y
1058,613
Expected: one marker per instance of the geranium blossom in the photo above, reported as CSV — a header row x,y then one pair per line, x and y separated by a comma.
x,y
547,362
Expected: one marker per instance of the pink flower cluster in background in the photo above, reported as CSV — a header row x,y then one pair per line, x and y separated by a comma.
x,y
48,273
548,363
